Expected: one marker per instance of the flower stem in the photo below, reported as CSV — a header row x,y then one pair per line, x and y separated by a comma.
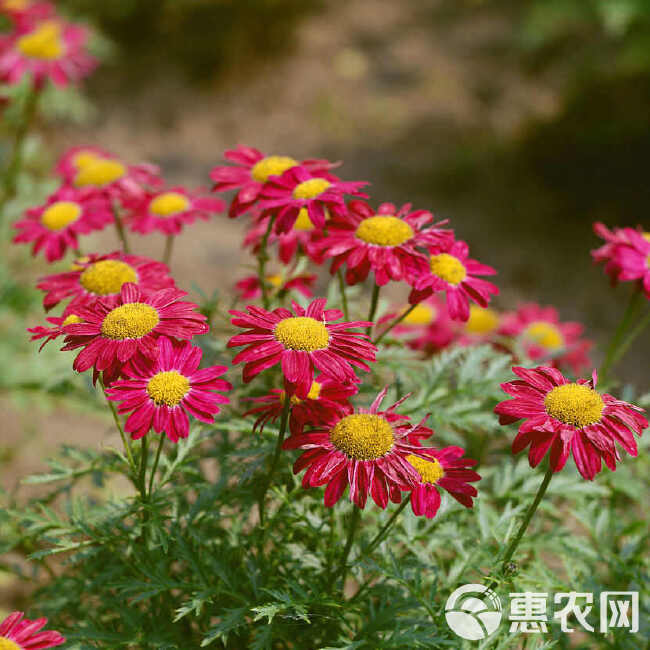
x,y
144,449
343,567
286,409
155,463
373,307
262,259
394,322
119,227
127,446
169,246
620,353
344,298
379,537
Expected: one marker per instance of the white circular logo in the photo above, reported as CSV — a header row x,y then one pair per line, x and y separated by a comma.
x,y
476,616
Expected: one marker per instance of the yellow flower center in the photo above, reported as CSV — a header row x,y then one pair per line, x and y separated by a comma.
x,y
130,321
482,320
421,314
302,333
60,214
448,268
275,280
363,436
107,276
98,172
72,319
545,334
384,230
43,43
168,204
7,644
314,393
84,158
574,404
168,387
430,470
310,189
646,235
303,222
15,5
271,166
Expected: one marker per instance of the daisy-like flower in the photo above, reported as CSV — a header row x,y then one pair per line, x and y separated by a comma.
x,y
442,468
50,49
75,158
170,210
19,633
251,171
56,225
249,287
326,398
102,276
57,328
24,12
113,331
160,393
541,335
481,327
385,241
366,450
301,341
568,417
451,270
299,190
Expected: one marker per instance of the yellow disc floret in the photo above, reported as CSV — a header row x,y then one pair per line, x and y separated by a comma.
x,y
545,334
168,387
574,404
363,436
99,172
271,166
169,203
384,230
310,189
302,333
43,43
275,280
482,320
72,319
84,158
107,276
303,222
15,5
448,268
60,214
430,470
421,314
8,644
130,321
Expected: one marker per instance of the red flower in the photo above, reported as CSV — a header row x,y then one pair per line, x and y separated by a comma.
x,y
451,270
301,342
160,393
59,327
26,12
385,241
249,287
19,632
568,417
482,327
366,450
67,213
75,158
446,469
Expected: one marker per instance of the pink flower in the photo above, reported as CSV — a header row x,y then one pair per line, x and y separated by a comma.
x,y
441,468
26,635
47,50
75,158
251,172
482,327
366,450
26,12
159,393
451,270
58,328
167,211
249,287
301,342
385,241
568,417
56,225
300,191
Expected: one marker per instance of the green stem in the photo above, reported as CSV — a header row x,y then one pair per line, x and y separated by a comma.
x,y
119,227
286,409
344,298
343,567
262,259
144,449
127,446
620,353
169,247
155,463
636,300
394,322
373,307
379,537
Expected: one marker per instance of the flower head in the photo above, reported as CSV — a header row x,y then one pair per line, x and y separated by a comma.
x,y
18,633
102,276
167,211
26,12
55,226
385,241
568,417
481,327
251,171
47,50
451,270
57,328
159,393
249,287
301,341
441,469
366,450
77,157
